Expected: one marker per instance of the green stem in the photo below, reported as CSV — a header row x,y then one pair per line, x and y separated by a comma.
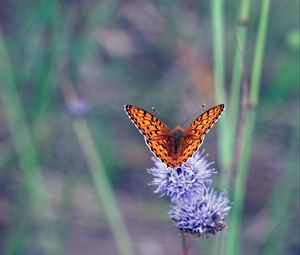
x,y
218,56
102,186
27,156
247,138
46,68
259,53
237,74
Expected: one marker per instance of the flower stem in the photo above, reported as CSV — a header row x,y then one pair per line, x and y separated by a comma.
x,y
188,245
183,241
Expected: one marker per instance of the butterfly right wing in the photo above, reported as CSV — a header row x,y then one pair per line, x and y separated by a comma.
x,y
202,124
157,135
195,133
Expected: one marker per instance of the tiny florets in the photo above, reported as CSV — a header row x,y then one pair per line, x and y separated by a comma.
x,y
196,208
187,181
204,216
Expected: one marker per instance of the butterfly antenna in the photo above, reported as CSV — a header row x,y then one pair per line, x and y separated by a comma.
x,y
155,110
192,117
158,113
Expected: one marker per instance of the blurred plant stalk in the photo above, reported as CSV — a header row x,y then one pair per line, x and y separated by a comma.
x,y
247,132
102,186
234,105
224,154
38,203
238,77
219,80
235,151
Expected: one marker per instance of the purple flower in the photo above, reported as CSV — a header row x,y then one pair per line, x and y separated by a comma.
x,y
203,215
195,207
185,182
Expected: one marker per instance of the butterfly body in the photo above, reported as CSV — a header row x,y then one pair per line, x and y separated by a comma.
x,y
176,146
177,134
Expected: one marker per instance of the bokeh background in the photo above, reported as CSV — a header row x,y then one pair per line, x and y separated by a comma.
x,y
73,174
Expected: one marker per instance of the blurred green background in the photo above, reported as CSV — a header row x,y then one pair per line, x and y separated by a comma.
x,y
72,166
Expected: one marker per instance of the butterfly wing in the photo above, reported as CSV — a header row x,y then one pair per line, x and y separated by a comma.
x,y
162,149
194,135
159,138
202,124
157,135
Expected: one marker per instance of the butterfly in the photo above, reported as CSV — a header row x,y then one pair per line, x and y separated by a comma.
x,y
173,146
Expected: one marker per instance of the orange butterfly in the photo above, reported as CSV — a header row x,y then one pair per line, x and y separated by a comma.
x,y
173,147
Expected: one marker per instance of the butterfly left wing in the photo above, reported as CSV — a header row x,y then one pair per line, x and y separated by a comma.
x,y
155,132
148,125
162,150
194,135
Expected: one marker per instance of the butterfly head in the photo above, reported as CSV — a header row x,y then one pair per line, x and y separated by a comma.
x,y
177,132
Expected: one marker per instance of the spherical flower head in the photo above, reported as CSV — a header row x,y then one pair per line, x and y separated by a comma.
x,y
185,182
203,216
